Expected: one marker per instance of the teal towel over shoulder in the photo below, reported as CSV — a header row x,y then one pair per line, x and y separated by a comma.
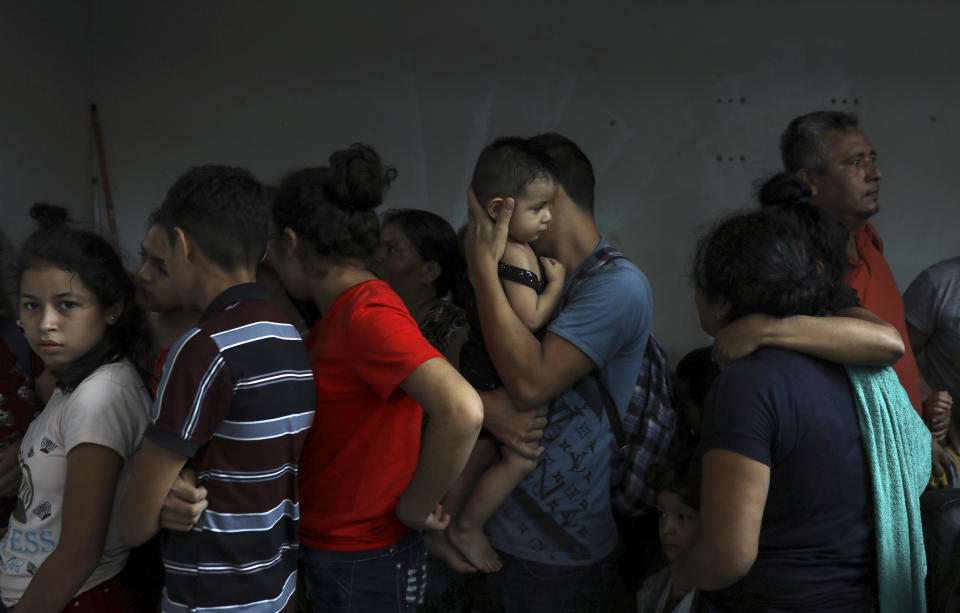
x,y
897,446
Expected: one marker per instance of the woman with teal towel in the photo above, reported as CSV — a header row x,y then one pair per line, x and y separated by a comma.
x,y
787,517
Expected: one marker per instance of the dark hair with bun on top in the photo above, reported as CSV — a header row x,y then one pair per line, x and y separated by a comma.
x,y
332,207
790,195
88,255
764,262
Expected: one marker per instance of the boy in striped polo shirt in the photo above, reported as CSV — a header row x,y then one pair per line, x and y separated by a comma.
x,y
235,402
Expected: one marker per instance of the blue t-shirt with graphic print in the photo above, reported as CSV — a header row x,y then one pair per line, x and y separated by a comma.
x,y
561,512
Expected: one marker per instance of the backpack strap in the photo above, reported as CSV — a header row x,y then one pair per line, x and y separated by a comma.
x,y
591,266
610,407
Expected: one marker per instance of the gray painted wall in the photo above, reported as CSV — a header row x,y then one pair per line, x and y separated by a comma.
x,y
45,133
653,92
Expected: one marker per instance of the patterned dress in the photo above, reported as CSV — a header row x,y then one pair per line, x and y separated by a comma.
x,y
441,323
18,402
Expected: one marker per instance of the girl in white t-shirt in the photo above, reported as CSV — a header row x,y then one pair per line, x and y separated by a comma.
x,y
61,549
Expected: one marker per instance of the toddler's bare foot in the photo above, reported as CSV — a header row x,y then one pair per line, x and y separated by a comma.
x,y
475,547
440,546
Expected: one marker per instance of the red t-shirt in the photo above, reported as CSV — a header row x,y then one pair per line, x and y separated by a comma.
x,y
363,447
873,280
162,354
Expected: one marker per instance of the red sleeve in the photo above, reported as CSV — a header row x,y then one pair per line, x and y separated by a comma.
x,y
193,397
389,345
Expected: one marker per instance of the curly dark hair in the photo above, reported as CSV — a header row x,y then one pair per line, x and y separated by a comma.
x,y
764,262
332,207
791,195
100,268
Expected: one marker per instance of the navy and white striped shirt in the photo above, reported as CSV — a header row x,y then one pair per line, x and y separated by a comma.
x,y
237,398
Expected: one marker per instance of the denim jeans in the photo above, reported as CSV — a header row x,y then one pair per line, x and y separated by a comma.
x,y
371,581
524,586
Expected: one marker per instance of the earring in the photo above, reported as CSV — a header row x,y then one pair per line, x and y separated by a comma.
x,y
113,319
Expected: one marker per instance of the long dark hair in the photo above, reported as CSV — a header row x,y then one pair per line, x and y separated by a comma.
x,y
86,254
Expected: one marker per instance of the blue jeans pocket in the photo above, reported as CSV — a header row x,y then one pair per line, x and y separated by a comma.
x,y
380,580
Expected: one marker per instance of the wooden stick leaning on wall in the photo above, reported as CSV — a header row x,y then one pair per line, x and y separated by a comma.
x,y
108,198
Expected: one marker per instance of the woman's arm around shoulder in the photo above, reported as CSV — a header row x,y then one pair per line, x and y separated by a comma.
x,y
853,336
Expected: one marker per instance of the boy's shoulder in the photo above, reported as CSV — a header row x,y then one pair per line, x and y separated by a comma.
x,y
619,276
242,332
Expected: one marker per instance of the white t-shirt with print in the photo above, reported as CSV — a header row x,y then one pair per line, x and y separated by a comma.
x,y
110,408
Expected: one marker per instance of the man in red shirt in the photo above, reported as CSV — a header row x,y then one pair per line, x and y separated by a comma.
x,y
827,150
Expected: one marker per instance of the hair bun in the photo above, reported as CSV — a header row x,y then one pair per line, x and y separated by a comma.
x,y
359,178
49,216
784,188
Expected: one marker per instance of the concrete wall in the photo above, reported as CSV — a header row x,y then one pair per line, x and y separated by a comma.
x,y
45,63
660,96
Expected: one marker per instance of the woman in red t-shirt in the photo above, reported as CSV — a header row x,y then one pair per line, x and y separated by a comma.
x,y
368,484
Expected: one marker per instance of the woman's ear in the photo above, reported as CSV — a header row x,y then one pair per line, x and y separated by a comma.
x,y
113,312
807,177
430,272
493,207
722,308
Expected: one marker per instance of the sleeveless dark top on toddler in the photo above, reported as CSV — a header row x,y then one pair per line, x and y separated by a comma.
x,y
475,364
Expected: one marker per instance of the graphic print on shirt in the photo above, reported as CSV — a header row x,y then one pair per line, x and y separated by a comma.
x,y
46,445
43,510
25,497
27,542
563,475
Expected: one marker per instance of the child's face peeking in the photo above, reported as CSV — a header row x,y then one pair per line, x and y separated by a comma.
x,y
62,319
678,523
531,213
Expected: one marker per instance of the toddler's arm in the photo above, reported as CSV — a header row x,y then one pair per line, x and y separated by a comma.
x,y
533,309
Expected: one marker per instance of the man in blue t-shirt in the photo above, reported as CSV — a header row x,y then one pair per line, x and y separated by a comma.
x,y
556,534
